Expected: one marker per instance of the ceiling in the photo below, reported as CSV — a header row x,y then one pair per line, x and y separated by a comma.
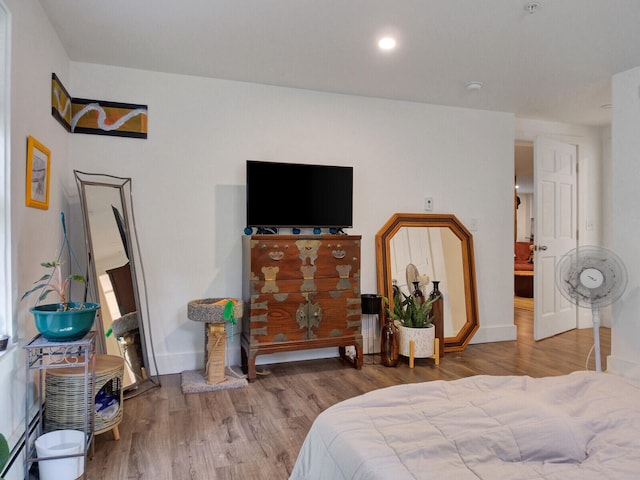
x,y
554,64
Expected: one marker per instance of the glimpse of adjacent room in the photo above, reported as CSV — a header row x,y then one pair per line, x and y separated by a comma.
x,y
524,232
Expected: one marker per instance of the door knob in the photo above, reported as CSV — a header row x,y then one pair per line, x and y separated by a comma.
x,y
541,247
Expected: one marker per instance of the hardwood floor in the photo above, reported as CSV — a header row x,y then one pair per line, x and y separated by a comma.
x,y
256,432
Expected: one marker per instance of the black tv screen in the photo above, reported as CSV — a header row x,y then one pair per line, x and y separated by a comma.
x,y
299,195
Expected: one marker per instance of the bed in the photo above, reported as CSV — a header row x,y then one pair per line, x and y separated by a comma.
x,y
584,425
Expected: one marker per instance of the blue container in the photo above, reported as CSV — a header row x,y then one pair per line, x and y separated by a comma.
x,y
59,325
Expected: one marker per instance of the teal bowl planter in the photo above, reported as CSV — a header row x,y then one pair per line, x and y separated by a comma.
x,y
59,325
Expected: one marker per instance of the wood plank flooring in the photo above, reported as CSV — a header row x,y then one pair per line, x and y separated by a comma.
x,y
256,432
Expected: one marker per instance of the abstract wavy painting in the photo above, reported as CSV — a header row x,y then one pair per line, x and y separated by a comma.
x,y
108,118
98,117
60,103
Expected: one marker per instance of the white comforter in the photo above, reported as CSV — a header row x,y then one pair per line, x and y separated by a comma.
x,y
580,426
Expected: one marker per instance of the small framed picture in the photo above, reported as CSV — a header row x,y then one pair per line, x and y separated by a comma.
x,y
38,166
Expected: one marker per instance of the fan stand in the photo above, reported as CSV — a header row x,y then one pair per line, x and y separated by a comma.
x,y
595,313
591,276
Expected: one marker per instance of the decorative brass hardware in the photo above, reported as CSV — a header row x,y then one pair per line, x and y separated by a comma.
x,y
343,270
308,271
308,249
259,331
276,255
270,285
309,316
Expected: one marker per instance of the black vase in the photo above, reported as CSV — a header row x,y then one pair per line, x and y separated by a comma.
x,y
436,289
437,310
417,293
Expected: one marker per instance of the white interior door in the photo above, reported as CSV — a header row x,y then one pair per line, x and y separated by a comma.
x,y
555,225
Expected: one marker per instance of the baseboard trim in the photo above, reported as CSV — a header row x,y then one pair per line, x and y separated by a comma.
x,y
17,451
623,368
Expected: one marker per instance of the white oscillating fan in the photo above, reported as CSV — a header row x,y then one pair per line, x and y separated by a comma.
x,y
592,277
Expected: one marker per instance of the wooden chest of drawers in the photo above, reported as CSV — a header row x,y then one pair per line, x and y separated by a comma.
x,y
300,292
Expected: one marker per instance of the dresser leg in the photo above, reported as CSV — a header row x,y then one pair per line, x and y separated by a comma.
x,y
342,351
248,364
243,360
251,371
359,355
357,360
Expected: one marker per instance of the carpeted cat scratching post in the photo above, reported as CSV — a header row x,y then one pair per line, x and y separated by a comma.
x,y
215,313
127,331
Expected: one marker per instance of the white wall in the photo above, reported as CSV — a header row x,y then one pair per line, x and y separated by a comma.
x,y
625,223
189,176
35,234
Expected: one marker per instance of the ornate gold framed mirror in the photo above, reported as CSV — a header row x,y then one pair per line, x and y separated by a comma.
x,y
440,247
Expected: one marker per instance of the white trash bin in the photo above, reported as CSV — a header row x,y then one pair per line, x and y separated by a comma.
x,y
61,442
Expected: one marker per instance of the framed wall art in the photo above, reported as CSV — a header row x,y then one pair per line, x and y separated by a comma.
x,y
97,117
60,103
38,172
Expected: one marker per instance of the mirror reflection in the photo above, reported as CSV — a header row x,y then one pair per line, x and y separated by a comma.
x,y
114,271
424,248
427,254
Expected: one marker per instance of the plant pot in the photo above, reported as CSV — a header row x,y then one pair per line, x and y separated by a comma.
x,y
423,338
59,325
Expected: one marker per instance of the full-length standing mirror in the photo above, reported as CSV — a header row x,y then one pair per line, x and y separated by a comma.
x,y
411,245
116,276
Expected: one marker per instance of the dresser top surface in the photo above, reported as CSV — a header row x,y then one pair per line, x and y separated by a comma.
x,y
304,237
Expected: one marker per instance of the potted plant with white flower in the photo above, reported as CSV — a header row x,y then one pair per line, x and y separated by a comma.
x,y
414,319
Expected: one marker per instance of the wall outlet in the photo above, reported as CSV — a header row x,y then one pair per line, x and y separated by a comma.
x,y
428,204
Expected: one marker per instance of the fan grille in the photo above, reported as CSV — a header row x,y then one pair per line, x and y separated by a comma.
x,y
575,262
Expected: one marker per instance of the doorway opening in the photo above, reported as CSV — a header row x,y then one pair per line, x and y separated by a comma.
x,y
524,218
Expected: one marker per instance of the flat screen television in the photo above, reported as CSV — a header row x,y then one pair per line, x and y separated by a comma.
x,y
284,195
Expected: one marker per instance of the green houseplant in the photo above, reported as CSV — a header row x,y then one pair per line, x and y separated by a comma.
x,y
4,453
54,282
64,320
410,313
415,324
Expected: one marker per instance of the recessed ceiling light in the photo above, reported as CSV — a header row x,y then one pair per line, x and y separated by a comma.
x,y
473,86
387,43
